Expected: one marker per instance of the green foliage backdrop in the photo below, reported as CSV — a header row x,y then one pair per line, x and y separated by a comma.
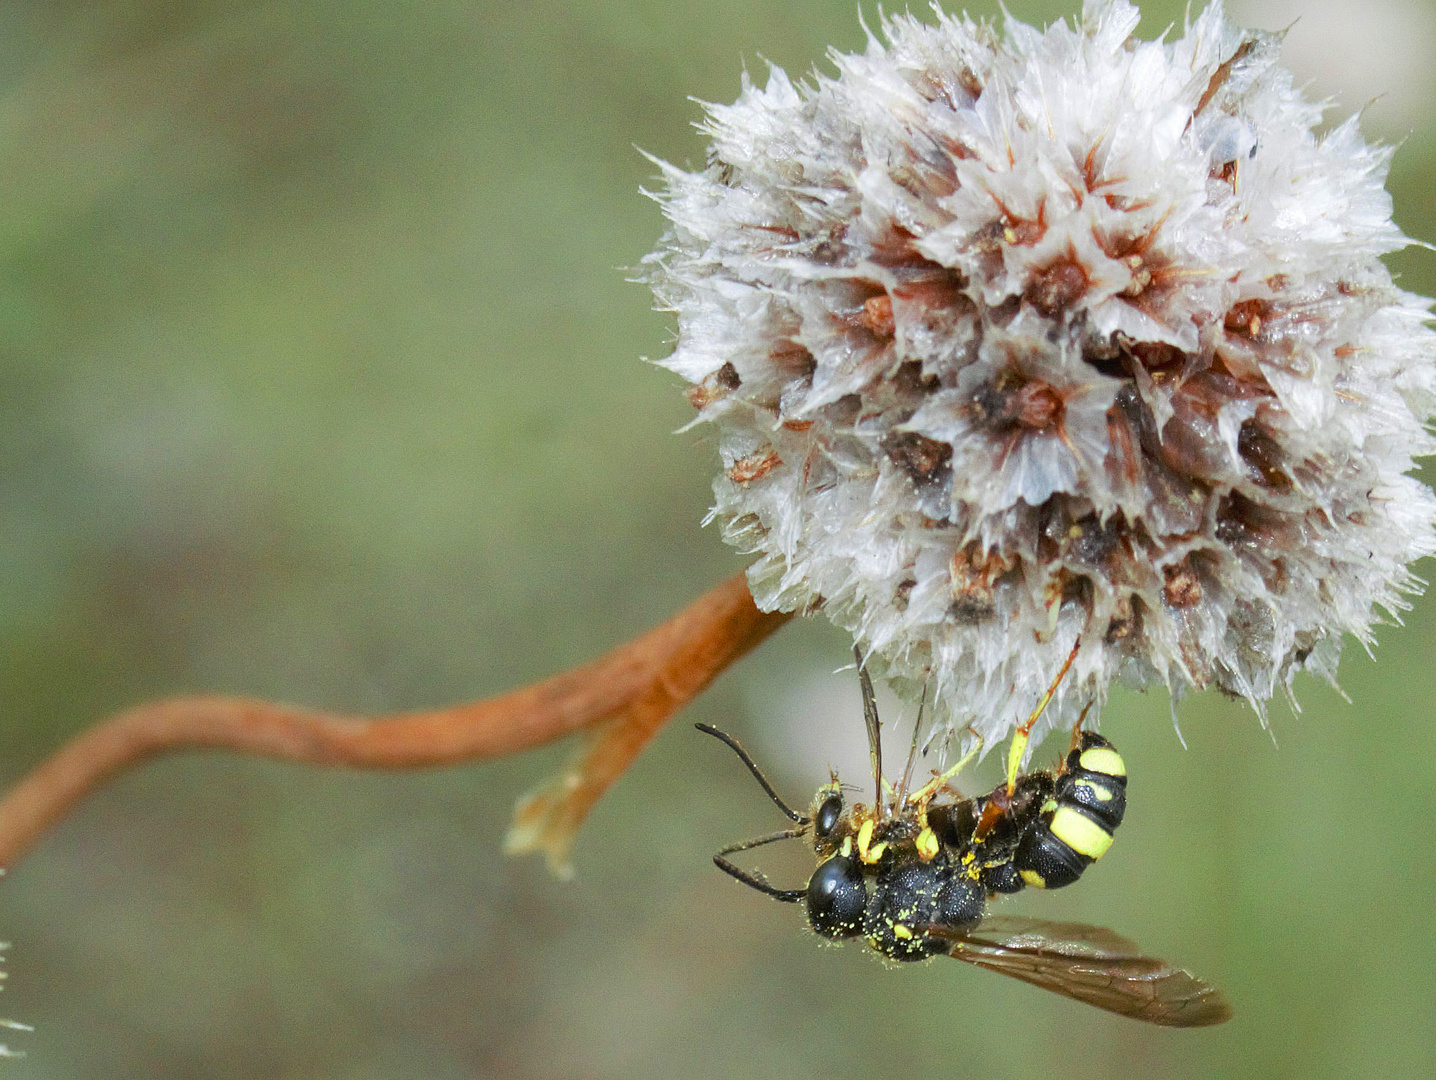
x,y
321,382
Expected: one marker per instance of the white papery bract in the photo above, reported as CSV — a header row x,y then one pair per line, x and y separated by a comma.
x,y
1015,337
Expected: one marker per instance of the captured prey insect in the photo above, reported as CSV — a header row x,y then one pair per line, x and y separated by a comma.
x,y
913,873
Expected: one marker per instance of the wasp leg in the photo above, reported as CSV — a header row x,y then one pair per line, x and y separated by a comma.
x,y
1019,739
1076,733
928,790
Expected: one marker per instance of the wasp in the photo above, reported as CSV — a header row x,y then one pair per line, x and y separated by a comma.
x,y
913,873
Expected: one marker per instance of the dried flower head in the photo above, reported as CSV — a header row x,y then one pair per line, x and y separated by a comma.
x,y
1015,337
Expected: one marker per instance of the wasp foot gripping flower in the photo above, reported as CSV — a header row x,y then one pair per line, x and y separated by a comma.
x,y
1011,338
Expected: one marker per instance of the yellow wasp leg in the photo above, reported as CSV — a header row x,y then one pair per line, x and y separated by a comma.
x,y
1020,737
928,790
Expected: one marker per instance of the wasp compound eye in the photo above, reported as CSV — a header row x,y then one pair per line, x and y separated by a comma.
x,y
827,817
837,896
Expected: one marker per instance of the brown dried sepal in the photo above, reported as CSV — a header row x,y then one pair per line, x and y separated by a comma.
x,y
909,379
1126,620
897,249
974,576
1058,285
1221,75
1038,406
753,467
715,385
1263,456
1183,588
1162,360
923,459
1124,460
1241,520
1275,576
794,361
787,233
935,302
1244,319
942,288
878,315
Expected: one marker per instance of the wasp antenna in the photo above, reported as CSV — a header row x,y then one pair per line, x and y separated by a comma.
x,y
737,748
755,880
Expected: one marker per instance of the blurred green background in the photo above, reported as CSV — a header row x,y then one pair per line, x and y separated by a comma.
x,y
322,382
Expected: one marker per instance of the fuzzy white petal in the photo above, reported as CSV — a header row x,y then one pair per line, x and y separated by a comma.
x,y
1011,337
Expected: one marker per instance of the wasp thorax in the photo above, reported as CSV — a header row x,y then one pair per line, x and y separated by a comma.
x,y
1011,338
904,905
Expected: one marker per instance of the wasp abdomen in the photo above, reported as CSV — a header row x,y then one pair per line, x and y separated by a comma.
x,y
1075,826
1095,778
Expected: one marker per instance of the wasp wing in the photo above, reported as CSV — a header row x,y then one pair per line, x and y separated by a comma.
x,y
874,726
1092,965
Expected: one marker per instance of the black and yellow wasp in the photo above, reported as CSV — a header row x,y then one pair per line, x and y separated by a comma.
x,y
913,873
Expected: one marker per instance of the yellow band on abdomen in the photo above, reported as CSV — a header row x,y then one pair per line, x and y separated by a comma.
x,y
1033,878
1104,760
1080,833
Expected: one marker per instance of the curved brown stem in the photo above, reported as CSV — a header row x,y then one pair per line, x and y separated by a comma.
x,y
628,692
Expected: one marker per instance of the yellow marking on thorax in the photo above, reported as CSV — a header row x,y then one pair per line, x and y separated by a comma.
x,y
927,845
1104,760
846,851
901,931
869,852
1033,878
1080,833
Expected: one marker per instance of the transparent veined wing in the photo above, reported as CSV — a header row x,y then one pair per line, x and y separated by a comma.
x,y
1092,965
874,726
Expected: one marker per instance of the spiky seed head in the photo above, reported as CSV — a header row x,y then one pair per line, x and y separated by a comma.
x,y
1014,336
